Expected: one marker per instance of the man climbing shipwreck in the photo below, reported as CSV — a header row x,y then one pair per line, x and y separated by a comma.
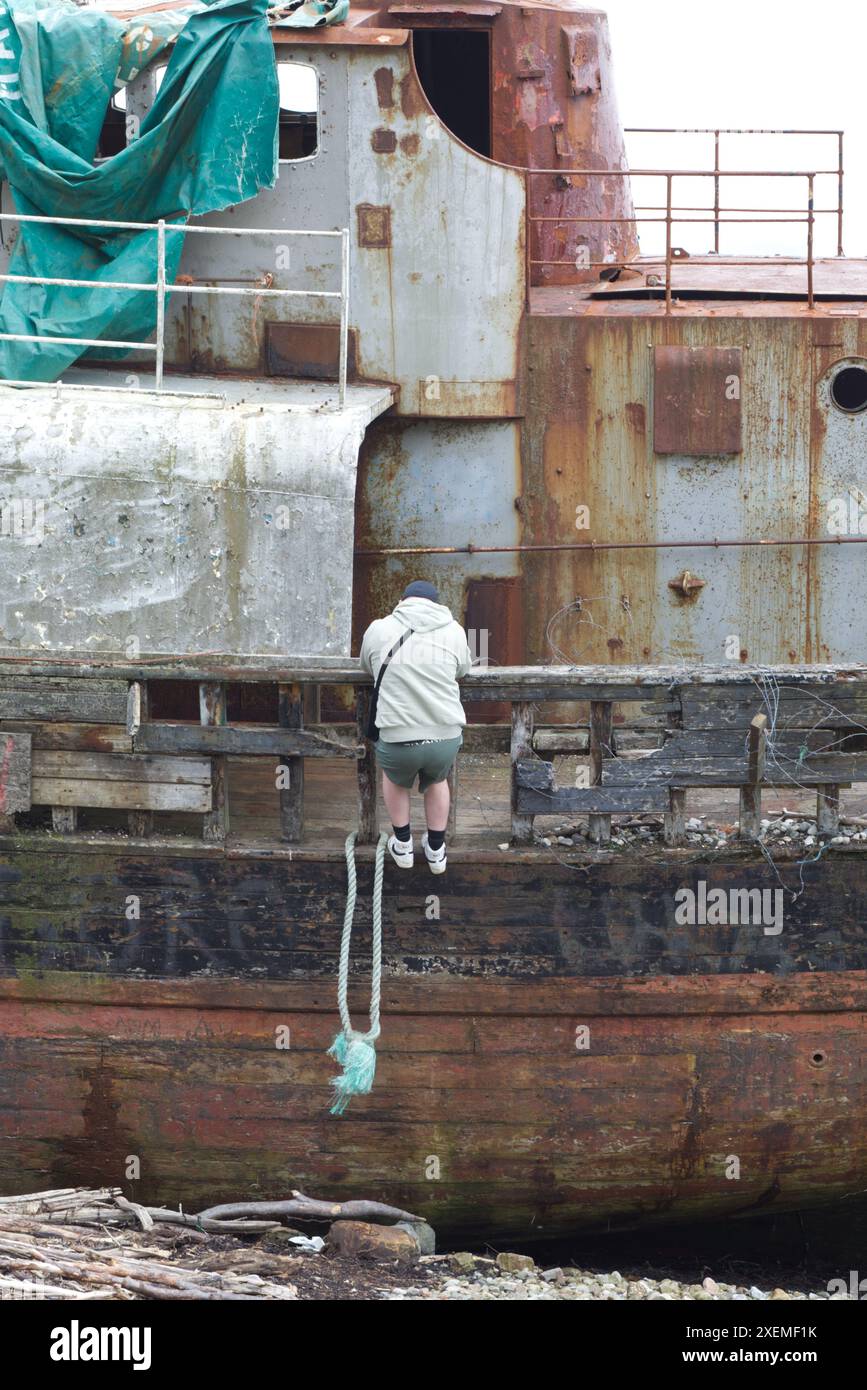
x,y
416,656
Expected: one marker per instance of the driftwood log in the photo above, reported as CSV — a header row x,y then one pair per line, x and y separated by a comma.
x,y
106,1206
66,1244
302,1208
31,1267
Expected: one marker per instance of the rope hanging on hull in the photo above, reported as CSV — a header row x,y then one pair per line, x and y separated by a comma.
x,y
356,1052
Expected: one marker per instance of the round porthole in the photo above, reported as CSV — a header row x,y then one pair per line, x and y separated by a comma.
x,y
849,390
818,1059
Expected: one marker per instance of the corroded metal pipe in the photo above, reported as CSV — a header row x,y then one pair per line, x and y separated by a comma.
x,y
608,545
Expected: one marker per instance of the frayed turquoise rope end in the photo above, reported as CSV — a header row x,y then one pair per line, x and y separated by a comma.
x,y
357,1057
356,1052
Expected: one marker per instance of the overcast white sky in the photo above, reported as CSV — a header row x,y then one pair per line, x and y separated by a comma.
x,y
750,63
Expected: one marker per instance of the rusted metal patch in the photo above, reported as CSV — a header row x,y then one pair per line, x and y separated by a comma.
x,y
374,226
548,75
562,148
383,141
762,280
340,36
308,350
582,60
495,621
433,15
413,101
697,400
384,81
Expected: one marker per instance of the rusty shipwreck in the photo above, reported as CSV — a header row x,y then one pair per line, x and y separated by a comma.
x,y
434,348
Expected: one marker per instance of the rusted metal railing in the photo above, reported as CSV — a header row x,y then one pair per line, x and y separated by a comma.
x,y
162,289
717,132
673,216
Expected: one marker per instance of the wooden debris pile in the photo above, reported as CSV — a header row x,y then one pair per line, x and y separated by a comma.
x,y
78,1243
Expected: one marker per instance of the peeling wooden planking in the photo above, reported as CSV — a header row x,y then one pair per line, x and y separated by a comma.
x,y
73,737
250,741
15,773
121,767
95,701
116,795
538,795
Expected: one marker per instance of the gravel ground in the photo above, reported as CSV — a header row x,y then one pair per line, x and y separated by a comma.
x,y
465,1277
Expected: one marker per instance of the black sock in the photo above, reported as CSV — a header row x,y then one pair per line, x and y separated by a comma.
x,y
402,832
436,838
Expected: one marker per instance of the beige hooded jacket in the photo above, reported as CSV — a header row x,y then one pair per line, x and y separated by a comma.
x,y
419,696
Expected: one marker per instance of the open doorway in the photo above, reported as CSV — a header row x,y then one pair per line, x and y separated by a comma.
x,y
454,67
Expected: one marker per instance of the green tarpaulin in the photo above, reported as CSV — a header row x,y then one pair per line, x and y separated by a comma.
x,y
208,142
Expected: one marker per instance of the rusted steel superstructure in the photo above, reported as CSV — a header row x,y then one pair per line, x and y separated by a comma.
x,y
499,291
621,471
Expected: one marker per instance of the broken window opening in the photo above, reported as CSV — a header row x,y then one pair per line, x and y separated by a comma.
x,y
116,130
112,137
299,111
299,114
454,69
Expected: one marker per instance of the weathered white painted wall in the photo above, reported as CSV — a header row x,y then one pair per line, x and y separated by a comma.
x,y
164,524
438,311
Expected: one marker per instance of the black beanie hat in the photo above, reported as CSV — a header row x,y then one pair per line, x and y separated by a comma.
x,y
419,588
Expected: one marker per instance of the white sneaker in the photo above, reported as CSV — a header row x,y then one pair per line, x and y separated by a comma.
x,y
401,852
436,858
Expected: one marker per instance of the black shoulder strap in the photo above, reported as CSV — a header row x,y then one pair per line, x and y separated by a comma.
x,y
372,730
381,672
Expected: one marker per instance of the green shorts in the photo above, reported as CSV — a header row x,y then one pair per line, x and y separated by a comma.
x,y
430,761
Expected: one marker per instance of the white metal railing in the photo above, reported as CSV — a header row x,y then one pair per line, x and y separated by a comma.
x,y
162,289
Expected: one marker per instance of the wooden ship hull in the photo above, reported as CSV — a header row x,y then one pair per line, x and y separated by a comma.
x,y
485,1117
558,1053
